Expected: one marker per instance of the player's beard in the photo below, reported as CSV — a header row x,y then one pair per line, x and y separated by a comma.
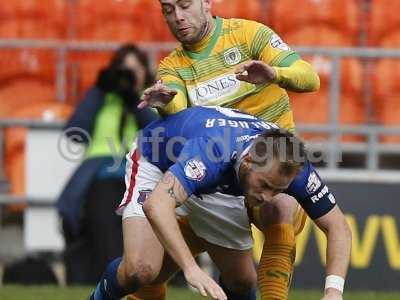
x,y
205,29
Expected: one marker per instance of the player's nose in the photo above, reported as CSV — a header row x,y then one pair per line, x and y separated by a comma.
x,y
179,15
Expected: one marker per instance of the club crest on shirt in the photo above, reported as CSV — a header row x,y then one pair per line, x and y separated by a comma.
x,y
195,169
143,196
233,56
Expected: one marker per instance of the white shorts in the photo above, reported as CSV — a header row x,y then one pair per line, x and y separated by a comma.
x,y
218,218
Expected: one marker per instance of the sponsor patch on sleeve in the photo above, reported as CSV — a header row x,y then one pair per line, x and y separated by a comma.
x,y
195,170
278,43
313,183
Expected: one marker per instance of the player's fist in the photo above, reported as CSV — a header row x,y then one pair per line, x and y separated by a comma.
x,y
158,95
332,294
197,278
256,72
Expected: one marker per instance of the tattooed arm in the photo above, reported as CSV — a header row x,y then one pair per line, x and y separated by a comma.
x,y
160,211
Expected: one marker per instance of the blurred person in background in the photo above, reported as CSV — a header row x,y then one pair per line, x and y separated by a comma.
x,y
107,122
245,65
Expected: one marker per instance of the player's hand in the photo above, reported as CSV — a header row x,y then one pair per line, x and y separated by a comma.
x,y
332,294
197,278
158,95
256,72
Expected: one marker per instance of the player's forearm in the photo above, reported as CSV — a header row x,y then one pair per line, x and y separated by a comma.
x,y
161,215
299,77
338,234
339,249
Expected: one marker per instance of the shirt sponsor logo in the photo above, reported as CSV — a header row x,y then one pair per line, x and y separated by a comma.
x,y
195,170
313,183
143,196
246,138
232,56
214,89
276,42
332,198
321,194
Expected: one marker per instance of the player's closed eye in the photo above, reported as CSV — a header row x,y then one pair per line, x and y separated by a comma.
x,y
167,9
266,186
185,4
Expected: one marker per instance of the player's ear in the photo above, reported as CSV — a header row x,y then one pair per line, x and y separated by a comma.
x,y
247,161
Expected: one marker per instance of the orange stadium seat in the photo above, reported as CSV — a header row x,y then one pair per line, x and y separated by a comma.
x,y
383,21
17,63
22,92
33,19
83,68
122,20
237,9
314,107
317,36
351,81
386,82
15,139
308,16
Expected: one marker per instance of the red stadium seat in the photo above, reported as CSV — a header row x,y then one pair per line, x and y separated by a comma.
x,y
383,21
386,82
123,20
343,16
15,139
33,19
236,9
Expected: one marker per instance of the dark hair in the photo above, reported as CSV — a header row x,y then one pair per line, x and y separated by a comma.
x,y
279,144
119,56
116,78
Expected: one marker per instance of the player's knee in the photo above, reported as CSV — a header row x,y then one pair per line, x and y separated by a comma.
x,y
280,210
139,273
241,284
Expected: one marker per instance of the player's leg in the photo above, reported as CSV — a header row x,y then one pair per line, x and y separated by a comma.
x,y
139,266
275,269
157,290
143,253
238,275
222,221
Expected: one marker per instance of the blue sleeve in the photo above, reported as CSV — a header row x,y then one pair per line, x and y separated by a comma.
x,y
145,116
199,165
311,192
84,116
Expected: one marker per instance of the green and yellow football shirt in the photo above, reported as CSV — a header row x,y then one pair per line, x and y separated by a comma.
x,y
204,75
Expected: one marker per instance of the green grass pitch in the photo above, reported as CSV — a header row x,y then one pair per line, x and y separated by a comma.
x,y
77,293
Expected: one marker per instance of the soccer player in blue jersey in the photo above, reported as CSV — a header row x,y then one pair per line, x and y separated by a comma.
x,y
207,165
